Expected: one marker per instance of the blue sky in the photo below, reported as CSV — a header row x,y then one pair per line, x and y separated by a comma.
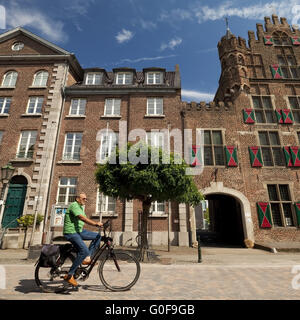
x,y
146,33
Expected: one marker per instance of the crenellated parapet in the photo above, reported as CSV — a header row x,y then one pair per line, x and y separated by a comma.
x,y
273,27
206,106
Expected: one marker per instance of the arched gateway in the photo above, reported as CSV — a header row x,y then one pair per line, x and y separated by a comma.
x,y
229,214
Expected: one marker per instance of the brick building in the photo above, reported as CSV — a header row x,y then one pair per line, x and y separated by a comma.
x,y
57,121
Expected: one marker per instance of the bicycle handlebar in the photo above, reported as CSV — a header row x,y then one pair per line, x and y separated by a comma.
x,y
106,224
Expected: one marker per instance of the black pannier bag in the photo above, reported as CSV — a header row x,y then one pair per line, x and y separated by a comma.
x,y
49,255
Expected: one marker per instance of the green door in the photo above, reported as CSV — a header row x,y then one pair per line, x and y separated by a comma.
x,y
14,205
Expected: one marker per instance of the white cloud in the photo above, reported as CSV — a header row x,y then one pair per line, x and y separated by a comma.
x,y
197,96
145,59
202,13
34,18
176,14
124,36
147,25
254,11
171,44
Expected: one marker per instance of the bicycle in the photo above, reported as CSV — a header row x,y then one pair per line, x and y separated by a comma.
x,y
118,271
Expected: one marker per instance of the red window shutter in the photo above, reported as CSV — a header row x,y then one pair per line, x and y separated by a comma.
x,y
287,116
295,154
249,116
255,157
196,156
268,40
296,41
264,214
297,209
288,157
231,156
276,71
279,116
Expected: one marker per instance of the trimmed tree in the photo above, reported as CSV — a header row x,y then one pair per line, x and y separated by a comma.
x,y
148,178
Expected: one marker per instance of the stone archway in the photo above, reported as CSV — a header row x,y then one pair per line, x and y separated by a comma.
x,y
218,188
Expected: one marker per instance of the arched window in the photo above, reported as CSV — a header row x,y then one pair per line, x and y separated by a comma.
x,y
40,79
281,39
10,79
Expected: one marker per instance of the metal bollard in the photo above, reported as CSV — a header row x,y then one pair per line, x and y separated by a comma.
x,y
199,249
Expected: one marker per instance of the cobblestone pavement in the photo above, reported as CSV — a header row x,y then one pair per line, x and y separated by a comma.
x,y
170,282
225,273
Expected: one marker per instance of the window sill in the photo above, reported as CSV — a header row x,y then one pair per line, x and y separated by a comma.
x,y
111,117
36,115
78,116
37,87
4,115
72,162
268,124
5,88
20,160
105,214
214,166
154,116
158,215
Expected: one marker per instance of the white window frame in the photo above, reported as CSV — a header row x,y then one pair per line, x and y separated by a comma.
x,y
37,101
77,107
1,136
116,104
102,208
75,137
113,139
12,79
42,82
67,186
28,144
155,100
121,78
154,208
93,76
5,102
156,80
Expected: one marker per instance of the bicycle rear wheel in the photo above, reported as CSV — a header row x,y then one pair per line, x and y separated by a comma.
x,y
119,271
52,279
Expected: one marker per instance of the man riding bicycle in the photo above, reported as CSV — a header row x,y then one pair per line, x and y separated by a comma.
x,y
75,218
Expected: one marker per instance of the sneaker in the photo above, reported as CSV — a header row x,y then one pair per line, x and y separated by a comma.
x,y
71,280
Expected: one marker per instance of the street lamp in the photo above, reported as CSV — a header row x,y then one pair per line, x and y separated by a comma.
x,y
7,172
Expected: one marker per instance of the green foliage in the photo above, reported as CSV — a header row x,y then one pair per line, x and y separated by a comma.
x,y
28,219
153,181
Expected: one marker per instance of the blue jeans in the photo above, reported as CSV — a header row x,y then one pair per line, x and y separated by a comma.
x,y
83,251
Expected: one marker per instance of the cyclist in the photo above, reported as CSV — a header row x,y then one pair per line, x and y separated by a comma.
x,y
75,218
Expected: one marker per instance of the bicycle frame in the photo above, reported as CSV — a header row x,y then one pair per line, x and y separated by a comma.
x,y
106,245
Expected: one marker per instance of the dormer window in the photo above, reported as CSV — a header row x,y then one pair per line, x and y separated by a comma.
x,y
93,78
154,77
124,78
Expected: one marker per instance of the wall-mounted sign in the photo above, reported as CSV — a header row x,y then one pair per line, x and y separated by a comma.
x,y
58,215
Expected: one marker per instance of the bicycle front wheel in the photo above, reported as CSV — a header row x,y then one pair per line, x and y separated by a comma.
x,y
119,271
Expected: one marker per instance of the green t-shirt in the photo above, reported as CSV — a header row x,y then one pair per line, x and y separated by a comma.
x,y
72,223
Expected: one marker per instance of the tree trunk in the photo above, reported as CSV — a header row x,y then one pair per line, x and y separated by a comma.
x,y
144,231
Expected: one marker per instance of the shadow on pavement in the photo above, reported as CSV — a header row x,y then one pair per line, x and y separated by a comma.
x,y
98,288
27,286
